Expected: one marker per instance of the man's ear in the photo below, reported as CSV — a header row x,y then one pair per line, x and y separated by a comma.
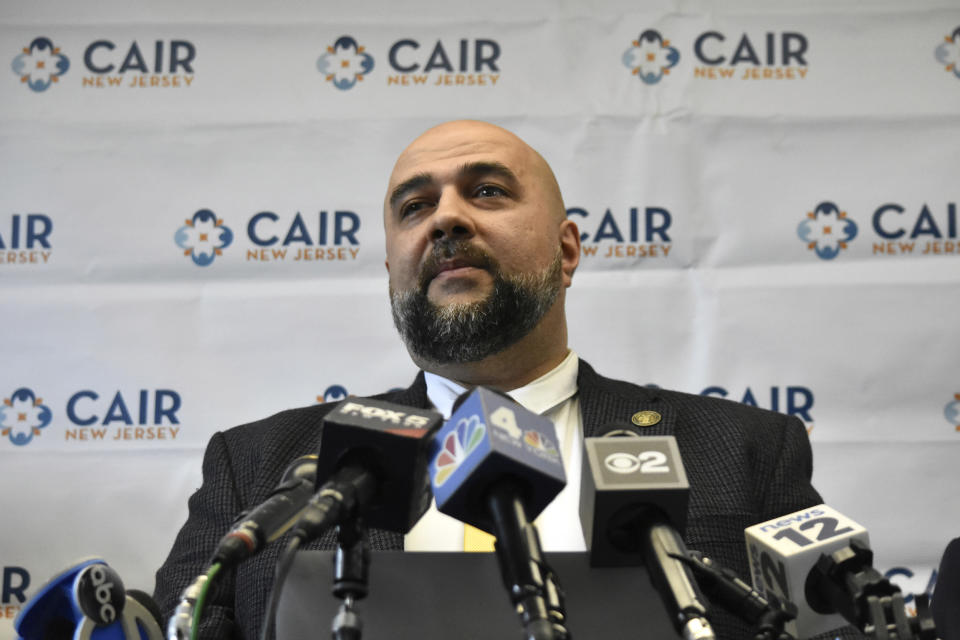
x,y
569,250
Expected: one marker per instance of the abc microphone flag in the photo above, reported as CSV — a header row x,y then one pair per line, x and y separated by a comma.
x,y
783,551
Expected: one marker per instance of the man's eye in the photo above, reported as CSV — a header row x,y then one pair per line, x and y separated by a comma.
x,y
489,191
411,208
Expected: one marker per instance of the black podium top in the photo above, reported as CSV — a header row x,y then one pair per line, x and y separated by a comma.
x,y
426,596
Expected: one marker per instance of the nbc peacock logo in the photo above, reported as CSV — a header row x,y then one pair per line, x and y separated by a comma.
x,y
540,443
457,447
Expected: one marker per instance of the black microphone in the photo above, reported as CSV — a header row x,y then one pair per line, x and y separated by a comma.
x,y
946,598
496,466
272,517
633,493
89,601
372,461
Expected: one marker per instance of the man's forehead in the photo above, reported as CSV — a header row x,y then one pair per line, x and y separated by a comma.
x,y
445,152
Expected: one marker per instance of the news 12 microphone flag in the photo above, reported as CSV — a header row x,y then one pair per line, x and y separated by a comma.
x,y
190,233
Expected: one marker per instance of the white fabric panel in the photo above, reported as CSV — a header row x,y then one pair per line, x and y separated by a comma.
x,y
693,194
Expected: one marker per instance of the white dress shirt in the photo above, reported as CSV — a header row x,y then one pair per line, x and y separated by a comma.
x,y
553,395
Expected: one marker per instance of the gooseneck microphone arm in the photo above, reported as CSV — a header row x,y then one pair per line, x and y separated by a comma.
x,y
532,585
724,588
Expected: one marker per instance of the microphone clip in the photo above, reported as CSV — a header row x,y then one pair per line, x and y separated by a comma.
x,y
846,582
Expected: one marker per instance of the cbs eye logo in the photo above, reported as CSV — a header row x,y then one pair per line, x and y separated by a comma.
x,y
644,462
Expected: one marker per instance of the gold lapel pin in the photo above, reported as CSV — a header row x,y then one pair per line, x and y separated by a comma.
x,y
646,418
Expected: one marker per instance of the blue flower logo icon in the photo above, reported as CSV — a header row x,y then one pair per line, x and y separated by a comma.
x,y
203,238
40,65
651,57
22,416
827,231
948,52
345,63
333,393
952,411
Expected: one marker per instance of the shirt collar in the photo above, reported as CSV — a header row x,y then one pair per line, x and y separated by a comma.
x,y
541,395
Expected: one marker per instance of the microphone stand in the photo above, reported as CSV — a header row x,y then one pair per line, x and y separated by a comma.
x,y
846,582
350,578
531,583
678,588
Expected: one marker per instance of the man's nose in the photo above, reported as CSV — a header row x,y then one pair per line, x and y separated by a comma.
x,y
452,218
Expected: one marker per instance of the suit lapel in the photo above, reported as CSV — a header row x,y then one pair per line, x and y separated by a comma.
x,y
607,404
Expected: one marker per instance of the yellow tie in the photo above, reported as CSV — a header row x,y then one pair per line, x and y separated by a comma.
x,y
475,540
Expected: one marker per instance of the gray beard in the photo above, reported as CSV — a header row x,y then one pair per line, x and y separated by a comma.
x,y
469,332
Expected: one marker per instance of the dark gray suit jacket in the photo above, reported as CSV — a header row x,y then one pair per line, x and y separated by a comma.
x,y
745,465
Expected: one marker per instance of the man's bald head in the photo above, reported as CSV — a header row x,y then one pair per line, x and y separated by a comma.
x,y
479,252
476,138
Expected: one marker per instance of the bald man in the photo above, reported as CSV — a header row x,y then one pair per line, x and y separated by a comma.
x,y
479,253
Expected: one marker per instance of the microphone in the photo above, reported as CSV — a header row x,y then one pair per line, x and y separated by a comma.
x,y
271,518
372,460
784,553
632,492
88,602
496,466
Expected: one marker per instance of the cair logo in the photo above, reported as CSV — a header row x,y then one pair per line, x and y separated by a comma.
x,y
463,62
651,57
333,393
947,52
40,64
22,416
770,55
157,64
897,229
631,233
793,400
827,230
203,237
911,583
952,412
14,582
134,65
327,236
345,63
26,240
151,414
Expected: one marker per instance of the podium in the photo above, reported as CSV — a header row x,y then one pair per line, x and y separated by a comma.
x,y
427,596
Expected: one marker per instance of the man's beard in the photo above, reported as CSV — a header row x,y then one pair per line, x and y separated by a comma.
x,y
472,331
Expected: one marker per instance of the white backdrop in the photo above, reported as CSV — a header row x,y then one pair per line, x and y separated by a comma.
x,y
693,180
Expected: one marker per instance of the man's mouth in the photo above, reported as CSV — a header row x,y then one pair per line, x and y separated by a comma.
x,y
459,264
